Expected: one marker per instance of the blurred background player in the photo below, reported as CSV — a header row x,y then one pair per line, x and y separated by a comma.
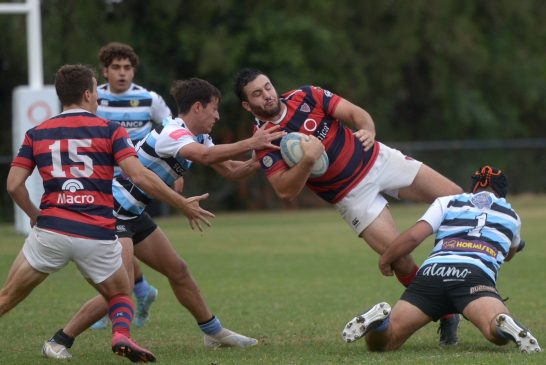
x,y
361,169
75,153
138,110
169,151
475,233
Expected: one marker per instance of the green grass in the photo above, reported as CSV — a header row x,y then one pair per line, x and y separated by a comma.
x,y
292,279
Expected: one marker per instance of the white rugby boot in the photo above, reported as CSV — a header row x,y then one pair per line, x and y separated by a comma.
x,y
54,350
519,334
228,338
360,325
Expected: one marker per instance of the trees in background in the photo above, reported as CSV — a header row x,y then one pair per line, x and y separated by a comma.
x,y
426,70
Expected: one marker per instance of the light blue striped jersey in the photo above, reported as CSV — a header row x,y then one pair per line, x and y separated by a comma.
x,y
476,229
135,109
158,152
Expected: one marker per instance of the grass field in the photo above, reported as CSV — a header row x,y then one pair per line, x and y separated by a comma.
x,y
292,279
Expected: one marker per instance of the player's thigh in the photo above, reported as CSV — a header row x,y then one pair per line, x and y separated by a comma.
x,y
158,252
405,320
22,278
97,260
429,185
482,311
115,284
381,231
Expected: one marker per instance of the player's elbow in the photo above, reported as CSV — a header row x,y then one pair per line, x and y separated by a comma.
x,y
13,185
142,180
11,188
286,196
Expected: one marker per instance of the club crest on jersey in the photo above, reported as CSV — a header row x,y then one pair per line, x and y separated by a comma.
x,y
482,200
71,195
305,108
267,161
134,103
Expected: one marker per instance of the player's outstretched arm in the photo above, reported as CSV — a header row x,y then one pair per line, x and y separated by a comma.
x,y
261,139
155,187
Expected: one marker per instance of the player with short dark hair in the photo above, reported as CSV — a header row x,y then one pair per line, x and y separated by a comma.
x,y
168,152
75,153
361,171
475,234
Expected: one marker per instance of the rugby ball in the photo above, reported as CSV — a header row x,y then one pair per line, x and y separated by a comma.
x,y
292,153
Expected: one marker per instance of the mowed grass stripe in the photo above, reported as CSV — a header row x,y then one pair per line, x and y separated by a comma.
x,y
292,279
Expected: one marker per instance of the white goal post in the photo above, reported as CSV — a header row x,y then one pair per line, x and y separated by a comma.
x,y
33,103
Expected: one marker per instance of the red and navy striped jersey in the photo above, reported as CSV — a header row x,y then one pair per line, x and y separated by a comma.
x,y
75,153
309,111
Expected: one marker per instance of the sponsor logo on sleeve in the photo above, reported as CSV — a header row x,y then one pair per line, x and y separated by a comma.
x,y
179,133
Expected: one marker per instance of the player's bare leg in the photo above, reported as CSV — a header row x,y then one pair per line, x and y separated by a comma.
x,y
429,185
88,314
493,319
22,279
157,252
379,234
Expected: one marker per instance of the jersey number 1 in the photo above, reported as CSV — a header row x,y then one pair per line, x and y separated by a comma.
x,y
476,231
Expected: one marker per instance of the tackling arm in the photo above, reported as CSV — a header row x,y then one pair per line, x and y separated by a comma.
x,y
155,187
236,170
403,245
261,139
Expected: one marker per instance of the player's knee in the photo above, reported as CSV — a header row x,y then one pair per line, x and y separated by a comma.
x,y
179,273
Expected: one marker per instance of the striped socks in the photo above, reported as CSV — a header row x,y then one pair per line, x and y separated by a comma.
x,y
121,311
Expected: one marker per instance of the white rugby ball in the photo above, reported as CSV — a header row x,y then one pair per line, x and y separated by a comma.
x,y
292,153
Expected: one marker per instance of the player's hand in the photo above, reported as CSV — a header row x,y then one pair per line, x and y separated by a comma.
x,y
367,138
385,267
263,136
195,214
312,148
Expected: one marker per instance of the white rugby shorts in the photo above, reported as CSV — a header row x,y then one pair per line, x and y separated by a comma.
x,y
391,171
48,252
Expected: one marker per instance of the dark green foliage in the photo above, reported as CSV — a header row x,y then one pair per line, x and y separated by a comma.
x,y
425,70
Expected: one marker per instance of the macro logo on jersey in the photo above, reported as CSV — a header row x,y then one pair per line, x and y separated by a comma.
x,y
70,195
